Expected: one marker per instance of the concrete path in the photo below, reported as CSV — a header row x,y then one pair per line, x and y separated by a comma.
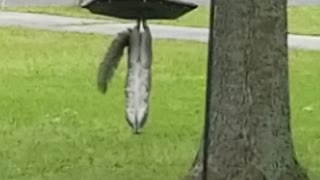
x,y
303,2
59,23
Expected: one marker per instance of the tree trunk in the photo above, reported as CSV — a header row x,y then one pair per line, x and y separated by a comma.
x,y
249,134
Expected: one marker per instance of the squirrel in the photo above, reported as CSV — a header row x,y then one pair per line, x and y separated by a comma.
x,y
138,84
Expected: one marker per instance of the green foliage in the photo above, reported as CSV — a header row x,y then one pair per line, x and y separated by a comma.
x,y
55,125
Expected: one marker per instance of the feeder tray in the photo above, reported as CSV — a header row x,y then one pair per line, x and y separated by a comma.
x,y
140,9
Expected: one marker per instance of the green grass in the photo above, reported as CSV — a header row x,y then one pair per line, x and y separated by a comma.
x,y
55,125
305,108
69,11
59,10
302,19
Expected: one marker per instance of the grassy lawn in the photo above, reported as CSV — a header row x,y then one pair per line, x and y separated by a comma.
x,y
69,11
55,125
302,20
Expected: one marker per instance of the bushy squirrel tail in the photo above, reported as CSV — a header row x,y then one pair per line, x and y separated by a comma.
x,y
112,59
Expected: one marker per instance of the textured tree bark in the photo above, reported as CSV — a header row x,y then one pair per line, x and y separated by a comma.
x,y
249,134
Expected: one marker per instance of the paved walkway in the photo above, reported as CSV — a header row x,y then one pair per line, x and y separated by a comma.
x,y
59,23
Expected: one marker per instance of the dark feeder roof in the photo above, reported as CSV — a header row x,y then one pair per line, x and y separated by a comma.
x,y
137,9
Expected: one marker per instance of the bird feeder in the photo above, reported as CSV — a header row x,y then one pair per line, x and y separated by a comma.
x,y
140,9
139,43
